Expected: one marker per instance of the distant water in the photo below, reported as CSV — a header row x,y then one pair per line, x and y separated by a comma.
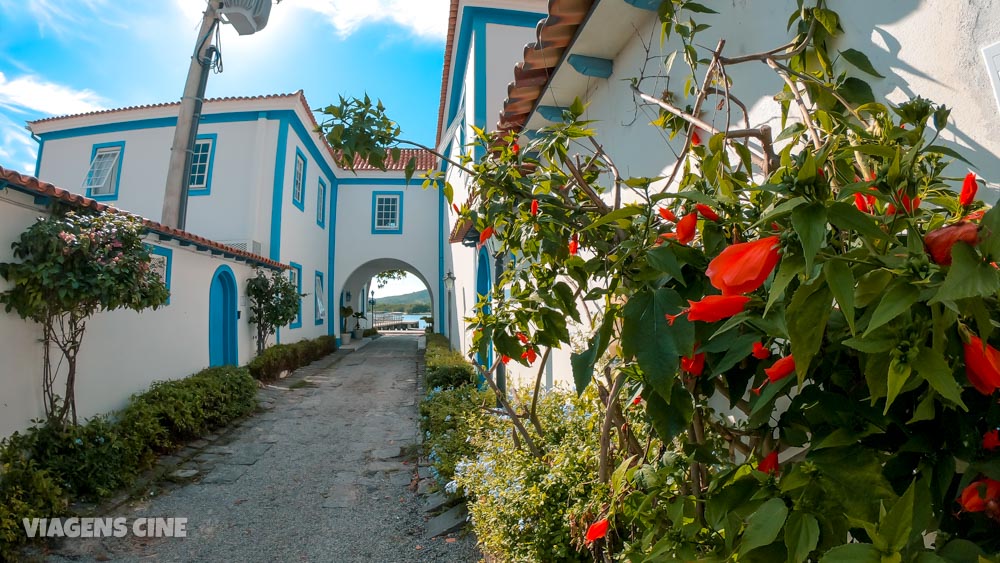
x,y
418,318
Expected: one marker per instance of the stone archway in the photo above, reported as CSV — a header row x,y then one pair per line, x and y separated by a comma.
x,y
353,289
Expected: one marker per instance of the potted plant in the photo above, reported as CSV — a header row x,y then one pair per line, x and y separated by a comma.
x,y
345,312
358,332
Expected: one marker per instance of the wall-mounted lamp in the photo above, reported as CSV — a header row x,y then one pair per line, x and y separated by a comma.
x,y
449,281
348,296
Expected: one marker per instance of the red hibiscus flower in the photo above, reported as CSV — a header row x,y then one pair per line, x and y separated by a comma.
x,y
991,440
534,208
686,228
975,215
693,364
979,494
864,202
969,189
695,138
908,204
760,351
530,355
455,207
515,148
597,530
780,369
522,338
769,464
743,267
940,241
574,244
713,308
982,365
706,211
637,400
485,235
667,214
505,359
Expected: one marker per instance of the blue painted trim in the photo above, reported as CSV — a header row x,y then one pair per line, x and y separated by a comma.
x,y
399,229
321,191
300,202
169,255
442,321
484,286
230,349
472,15
319,321
479,81
552,113
274,252
331,251
651,5
375,181
207,190
297,323
309,141
118,173
38,159
155,122
591,66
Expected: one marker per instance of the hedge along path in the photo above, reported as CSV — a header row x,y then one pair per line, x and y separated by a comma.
x,y
319,476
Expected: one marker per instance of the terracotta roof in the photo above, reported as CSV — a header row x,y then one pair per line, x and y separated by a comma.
x,y
425,161
446,71
554,34
35,186
169,104
462,227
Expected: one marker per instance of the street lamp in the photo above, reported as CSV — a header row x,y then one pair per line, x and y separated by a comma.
x,y
449,284
371,307
449,281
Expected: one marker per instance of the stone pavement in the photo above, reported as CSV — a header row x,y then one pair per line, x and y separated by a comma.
x,y
324,474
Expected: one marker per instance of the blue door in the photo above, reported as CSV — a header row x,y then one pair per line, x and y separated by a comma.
x,y
484,286
222,347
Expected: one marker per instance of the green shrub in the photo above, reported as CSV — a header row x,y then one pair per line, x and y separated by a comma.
x,y
279,358
447,418
444,367
523,508
25,492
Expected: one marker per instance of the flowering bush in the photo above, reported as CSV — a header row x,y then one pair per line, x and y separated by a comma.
x,y
448,417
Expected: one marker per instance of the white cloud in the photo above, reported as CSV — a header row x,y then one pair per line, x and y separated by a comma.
x,y
33,93
17,149
424,18
59,17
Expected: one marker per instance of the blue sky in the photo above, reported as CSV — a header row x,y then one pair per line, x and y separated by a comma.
x,y
60,57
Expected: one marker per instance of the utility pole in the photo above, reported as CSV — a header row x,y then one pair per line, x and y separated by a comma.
x,y
185,134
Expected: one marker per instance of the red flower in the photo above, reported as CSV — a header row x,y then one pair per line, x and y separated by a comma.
x,y
713,308
991,440
975,215
780,369
693,364
597,530
522,338
637,400
574,244
977,496
908,204
485,235
760,351
534,208
982,366
940,241
505,359
667,214
743,267
769,464
530,355
455,207
706,211
686,228
969,189
515,149
695,139
864,202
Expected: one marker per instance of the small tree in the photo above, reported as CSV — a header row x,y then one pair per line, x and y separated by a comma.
x,y
72,266
274,302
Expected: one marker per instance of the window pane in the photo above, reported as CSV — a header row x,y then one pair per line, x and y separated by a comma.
x,y
300,165
321,203
386,212
199,164
103,171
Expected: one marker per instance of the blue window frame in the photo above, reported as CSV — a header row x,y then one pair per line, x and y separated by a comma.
x,y
321,204
319,299
299,181
161,262
295,275
202,162
387,213
105,172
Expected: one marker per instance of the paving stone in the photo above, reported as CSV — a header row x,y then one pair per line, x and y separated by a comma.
x,y
225,474
435,501
425,486
199,444
450,521
401,479
424,472
387,453
183,474
384,466
342,496
211,437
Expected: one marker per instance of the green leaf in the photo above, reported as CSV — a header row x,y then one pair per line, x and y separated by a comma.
x,y
662,258
669,419
872,344
897,524
617,215
583,363
698,8
860,60
764,525
789,267
938,149
899,374
828,19
411,166
809,221
847,217
648,337
989,234
801,536
968,276
871,286
790,131
852,553
807,316
900,297
934,369
841,280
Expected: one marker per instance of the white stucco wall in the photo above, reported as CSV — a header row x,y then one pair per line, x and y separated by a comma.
x,y
123,351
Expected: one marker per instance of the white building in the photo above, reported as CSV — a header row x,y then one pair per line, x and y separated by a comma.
x,y
943,50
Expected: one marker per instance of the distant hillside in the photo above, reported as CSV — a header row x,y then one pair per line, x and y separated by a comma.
x,y
416,302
